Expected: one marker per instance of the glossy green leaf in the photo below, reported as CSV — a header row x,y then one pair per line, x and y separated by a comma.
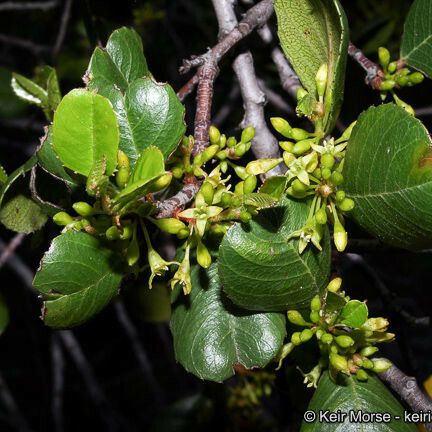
x,y
211,335
149,113
28,90
149,165
78,276
274,186
261,270
354,314
84,130
416,48
371,396
314,32
259,200
388,172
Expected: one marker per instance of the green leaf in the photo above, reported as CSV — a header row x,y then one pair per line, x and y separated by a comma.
x,y
314,32
84,130
274,186
371,396
150,164
49,161
388,172
211,335
149,113
78,276
28,90
120,63
259,200
334,302
354,314
261,270
416,48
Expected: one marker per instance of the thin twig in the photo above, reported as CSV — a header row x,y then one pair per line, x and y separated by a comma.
x,y
188,88
139,351
275,98
57,365
63,27
423,112
11,247
409,391
374,74
26,6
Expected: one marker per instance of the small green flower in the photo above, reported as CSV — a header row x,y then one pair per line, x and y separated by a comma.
x,y
182,275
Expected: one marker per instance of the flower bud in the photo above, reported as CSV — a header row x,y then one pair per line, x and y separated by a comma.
x,y
368,351
112,233
299,134
392,67
314,317
287,145
281,126
321,216
207,192
315,304
203,256
222,141
340,195
248,134
250,184
327,338
306,335
62,219
288,158
319,333
169,225
295,317
334,285
344,341
161,183
376,324
302,147
83,208
295,338
387,85
327,160
326,173
362,375
183,233
336,178
224,167
402,80
321,80
416,78
298,186
346,205
231,142
301,93
226,199
123,173
240,149
367,364
245,216
381,365
239,188
384,57
340,236
214,135
177,172
262,166
209,153
338,362
126,232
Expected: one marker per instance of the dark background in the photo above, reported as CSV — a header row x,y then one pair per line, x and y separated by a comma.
x,y
112,374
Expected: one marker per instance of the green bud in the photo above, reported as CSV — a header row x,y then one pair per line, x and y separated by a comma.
x,y
381,365
295,317
402,80
287,145
315,317
224,166
376,324
319,333
296,339
367,364
203,255
326,173
183,233
248,134
299,134
262,166
392,67
368,351
416,78
133,253
306,335
177,172
288,158
214,135
250,184
335,285
327,161
362,375
222,155
338,362
62,219
321,216
282,126
298,186
239,188
169,225
336,178
340,195
346,205
222,141
231,142
317,173
123,173
83,208
207,192
387,85
245,216
340,236
240,149
315,304
327,338
384,57
344,341
208,153
161,183
112,233
302,147
301,93
126,232
236,202
321,80
226,199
